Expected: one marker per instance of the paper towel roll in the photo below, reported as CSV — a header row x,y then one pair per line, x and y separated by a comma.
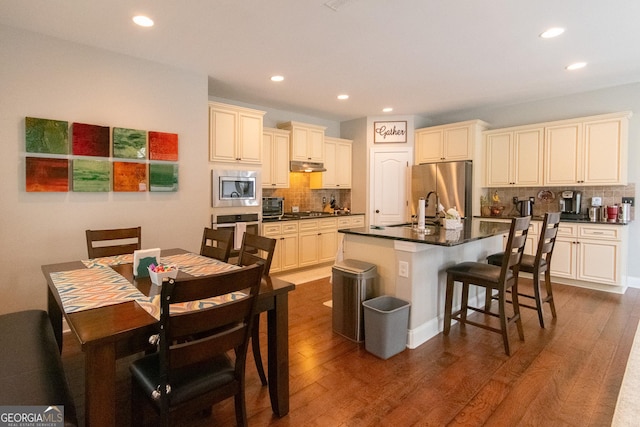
x,y
421,214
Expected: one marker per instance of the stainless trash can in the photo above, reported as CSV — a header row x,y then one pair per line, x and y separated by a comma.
x,y
352,283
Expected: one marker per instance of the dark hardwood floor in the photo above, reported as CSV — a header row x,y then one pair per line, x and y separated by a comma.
x,y
568,374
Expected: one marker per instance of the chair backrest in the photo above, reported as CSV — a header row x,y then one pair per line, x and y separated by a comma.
x,y
547,239
216,244
197,336
250,252
124,241
515,247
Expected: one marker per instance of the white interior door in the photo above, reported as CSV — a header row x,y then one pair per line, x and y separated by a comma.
x,y
390,190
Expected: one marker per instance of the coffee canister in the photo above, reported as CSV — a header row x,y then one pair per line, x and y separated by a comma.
x,y
624,212
594,214
603,213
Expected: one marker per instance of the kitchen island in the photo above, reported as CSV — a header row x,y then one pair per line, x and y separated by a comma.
x,y
412,265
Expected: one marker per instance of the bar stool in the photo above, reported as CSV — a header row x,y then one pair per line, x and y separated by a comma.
x,y
538,265
490,277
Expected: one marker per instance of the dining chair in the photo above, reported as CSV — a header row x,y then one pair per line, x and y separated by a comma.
x,y
492,278
123,241
202,352
257,248
537,265
216,244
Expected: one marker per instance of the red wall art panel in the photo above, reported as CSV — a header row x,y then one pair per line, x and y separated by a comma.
x,y
47,175
90,140
163,146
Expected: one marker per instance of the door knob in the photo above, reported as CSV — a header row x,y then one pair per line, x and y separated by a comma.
x,y
377,210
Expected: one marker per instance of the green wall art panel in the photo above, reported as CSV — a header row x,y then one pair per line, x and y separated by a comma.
x,y
129,143
91,175
46,136
163,177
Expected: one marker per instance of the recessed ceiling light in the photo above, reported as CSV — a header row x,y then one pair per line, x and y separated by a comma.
x,y
552,32
387,110
143,21
343,96
277,78
576,66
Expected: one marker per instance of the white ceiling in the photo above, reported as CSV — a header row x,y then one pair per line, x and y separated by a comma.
x,y
422,57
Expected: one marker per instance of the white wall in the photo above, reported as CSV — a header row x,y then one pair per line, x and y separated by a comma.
x,y
610,100
48,78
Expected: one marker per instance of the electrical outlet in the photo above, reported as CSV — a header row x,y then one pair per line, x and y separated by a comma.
x,y
403,269
295,209
630,200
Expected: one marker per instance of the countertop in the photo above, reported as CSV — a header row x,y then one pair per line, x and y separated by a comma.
x,y
472,229
570,220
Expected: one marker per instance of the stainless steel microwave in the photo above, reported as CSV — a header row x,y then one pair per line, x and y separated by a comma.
x,y
235,188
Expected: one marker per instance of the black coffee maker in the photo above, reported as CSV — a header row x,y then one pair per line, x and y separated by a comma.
x,y
570,205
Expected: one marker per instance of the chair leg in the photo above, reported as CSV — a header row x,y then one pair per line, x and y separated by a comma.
x,y
137,405
503,321
464,303
255,346
549,298
241,409
516,310
537,297
448,303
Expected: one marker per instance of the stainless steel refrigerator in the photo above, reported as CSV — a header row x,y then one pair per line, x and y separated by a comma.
x,y
447,183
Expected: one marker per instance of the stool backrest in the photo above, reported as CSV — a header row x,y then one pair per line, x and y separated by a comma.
x,y
547,239
515,247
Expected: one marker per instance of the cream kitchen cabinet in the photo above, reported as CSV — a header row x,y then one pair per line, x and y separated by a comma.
x,y
285,256
317,239
531,245
275,165
348,221
588,151
590,253
235,134
449,142
307,141
337,162
514,157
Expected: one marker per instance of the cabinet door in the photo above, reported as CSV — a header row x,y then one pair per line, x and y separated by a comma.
x,y
563,154
328,177
343,165
604,160
308,248
597,261
280,161
222,135
527,155
563,262
267,166
276,261
498,159
457,144
250,138
315,145
299,139
289,251
429,146
328,245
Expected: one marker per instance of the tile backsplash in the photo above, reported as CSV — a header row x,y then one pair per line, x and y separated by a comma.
x,y
299,194
610,195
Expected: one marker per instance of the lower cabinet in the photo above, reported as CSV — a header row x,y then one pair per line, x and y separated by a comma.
x,y
593,253
317,241
285,256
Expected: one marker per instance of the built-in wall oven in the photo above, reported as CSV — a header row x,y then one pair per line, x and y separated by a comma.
x,y
235,188
238,224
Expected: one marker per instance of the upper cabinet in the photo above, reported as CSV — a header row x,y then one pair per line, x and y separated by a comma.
x,y
592,151
513,157
450,142
235,134
275,153
337,162
582,151
307,141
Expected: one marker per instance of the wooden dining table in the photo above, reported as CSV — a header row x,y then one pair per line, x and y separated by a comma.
x,y
110,332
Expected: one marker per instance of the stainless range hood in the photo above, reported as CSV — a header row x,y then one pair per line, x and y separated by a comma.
x,y
298,166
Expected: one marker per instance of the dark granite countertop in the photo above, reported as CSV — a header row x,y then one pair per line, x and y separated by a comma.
x,y
569,220
472,229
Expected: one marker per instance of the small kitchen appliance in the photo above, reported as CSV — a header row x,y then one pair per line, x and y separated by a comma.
x,y
570,205
624,212
524,206
594,214
612,213
235,188
272,207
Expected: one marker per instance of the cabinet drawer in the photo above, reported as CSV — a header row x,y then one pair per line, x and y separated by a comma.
x,y
308,225
357,221
602,232
271,229
328,223
290,227
344,222
567,230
